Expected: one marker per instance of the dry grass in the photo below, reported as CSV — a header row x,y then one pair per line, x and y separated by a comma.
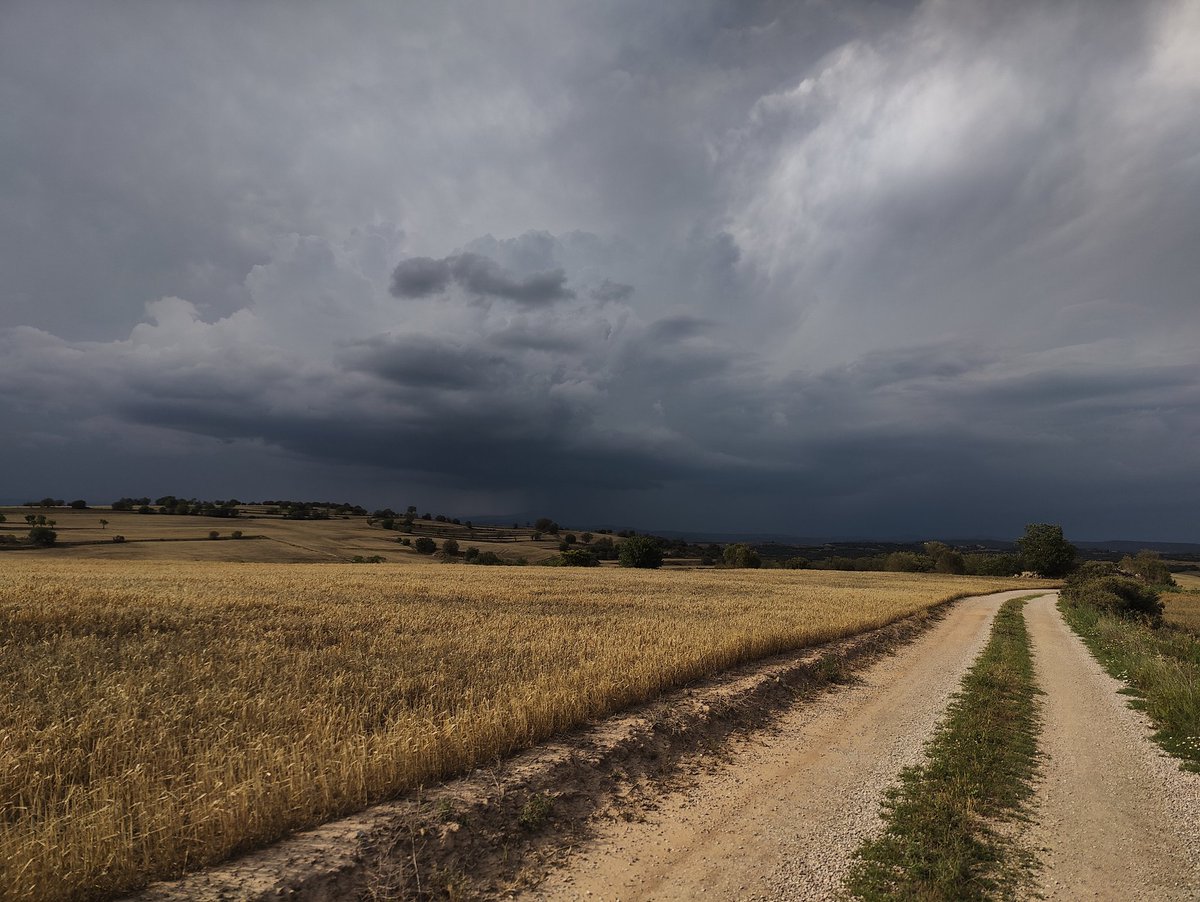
x,y
1189,580
1183,608
158,717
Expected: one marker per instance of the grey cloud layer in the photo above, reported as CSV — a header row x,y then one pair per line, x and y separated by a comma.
x,y
419,277
828,267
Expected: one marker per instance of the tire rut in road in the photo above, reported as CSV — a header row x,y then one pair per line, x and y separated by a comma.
x,y
1116,818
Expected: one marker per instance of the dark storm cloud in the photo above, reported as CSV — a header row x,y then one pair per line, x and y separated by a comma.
x,y
421,276
423,361
611,291
849,267
481,275
418,277
673,328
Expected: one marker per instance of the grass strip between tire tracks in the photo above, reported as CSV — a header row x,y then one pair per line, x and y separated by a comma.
x,y
945,831
1161,668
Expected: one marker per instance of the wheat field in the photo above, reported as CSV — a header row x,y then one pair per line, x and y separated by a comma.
x,y
158,717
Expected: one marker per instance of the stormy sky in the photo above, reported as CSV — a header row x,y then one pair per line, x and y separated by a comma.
x,y
854,268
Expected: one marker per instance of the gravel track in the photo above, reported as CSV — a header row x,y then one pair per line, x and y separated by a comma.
x,y
1117,818
781,817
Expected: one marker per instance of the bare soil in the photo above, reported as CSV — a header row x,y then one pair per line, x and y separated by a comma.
x,y
1117,818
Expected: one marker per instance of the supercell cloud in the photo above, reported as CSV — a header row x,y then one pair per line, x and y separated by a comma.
x,y
863,268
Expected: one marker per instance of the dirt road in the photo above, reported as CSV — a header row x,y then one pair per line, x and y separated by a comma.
x,y
782,817
1117,818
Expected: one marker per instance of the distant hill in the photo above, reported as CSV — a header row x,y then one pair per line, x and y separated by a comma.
x,y
1127,547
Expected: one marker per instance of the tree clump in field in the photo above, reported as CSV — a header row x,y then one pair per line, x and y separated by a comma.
x,y
740,556
992,564
42,536
450,548
1098,584
945,559
907,562
1045,551
642,552
579,557
604,548
424,545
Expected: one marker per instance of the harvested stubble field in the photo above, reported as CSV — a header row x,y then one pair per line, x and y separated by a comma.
x,y
1183,608
159,716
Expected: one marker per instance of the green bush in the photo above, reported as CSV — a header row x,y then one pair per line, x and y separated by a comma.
x,y
578,558
1097,585
470,554
604,549
992,564
425,545
907,562
450,548
741,556
640,551
42,536
1149,566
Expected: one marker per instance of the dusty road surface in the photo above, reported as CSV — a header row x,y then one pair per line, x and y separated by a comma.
x,y
781,819
1117,818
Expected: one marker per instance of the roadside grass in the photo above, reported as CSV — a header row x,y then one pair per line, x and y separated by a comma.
x,y
946,825
1160,666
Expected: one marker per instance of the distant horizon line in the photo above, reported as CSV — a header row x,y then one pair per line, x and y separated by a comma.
x,y
782,537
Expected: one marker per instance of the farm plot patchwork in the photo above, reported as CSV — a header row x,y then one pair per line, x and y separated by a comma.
x,y
161,716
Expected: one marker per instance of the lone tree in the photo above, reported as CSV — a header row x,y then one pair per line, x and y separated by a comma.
x,y
640,551
1045,551
425,545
